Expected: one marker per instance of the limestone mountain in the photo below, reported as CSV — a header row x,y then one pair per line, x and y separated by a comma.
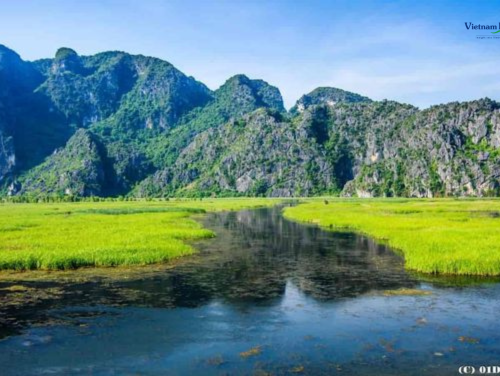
x,y
258,154
124,91
446,150
326,96
237,97
28,129
121,124
77,169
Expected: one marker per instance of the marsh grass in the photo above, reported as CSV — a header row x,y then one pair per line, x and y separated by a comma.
x,y
406,292
447,236
122,211
63,236
252,352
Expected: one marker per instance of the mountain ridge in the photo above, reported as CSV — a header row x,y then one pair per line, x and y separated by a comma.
x,y
147,129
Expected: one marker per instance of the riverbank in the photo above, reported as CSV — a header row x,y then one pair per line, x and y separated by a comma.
x,y
266,296
61,236
445,236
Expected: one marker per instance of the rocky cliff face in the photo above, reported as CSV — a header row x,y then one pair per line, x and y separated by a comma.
x,y
115,123
237,97
16,79
447,150
326,96
7,156
29,129
124,90
77,169
258,154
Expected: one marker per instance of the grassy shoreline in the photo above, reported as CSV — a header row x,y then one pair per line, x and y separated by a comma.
x,y
440,236
61,236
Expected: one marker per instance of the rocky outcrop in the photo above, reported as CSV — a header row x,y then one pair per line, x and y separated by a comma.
x,y
237,97
16,79
77,169
115,123
26,120
7,157
326,96
447,150
259,154
127,91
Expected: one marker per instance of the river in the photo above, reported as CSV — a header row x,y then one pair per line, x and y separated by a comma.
x,y
266,296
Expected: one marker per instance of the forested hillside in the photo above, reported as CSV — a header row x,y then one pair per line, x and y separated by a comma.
x,y
119,124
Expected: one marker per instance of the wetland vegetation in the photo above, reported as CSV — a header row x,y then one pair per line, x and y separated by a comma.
x,y
443,236
448,236
86,234
266,296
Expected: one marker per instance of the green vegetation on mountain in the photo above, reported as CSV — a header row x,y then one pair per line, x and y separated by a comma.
x,y
326,96
436,236
29,130
237,97
78,169
261,154
119,94
121,124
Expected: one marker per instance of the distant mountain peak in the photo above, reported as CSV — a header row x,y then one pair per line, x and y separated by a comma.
x,y
64,53
240,78
327,95
119,121
244,91
7,51
67,59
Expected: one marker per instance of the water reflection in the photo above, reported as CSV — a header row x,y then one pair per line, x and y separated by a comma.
x,y
255,254
305,298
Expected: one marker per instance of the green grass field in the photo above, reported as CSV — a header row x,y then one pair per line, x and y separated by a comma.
x,y
86,234
436,236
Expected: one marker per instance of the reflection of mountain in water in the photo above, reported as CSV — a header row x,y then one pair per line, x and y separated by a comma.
x,y
255,254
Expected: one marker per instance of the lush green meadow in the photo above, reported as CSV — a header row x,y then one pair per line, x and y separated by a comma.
x,y
87,234
436,236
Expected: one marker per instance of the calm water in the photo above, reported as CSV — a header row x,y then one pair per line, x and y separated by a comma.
x,y
305,300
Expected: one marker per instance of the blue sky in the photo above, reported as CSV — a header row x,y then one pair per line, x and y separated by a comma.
x,y
401,50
